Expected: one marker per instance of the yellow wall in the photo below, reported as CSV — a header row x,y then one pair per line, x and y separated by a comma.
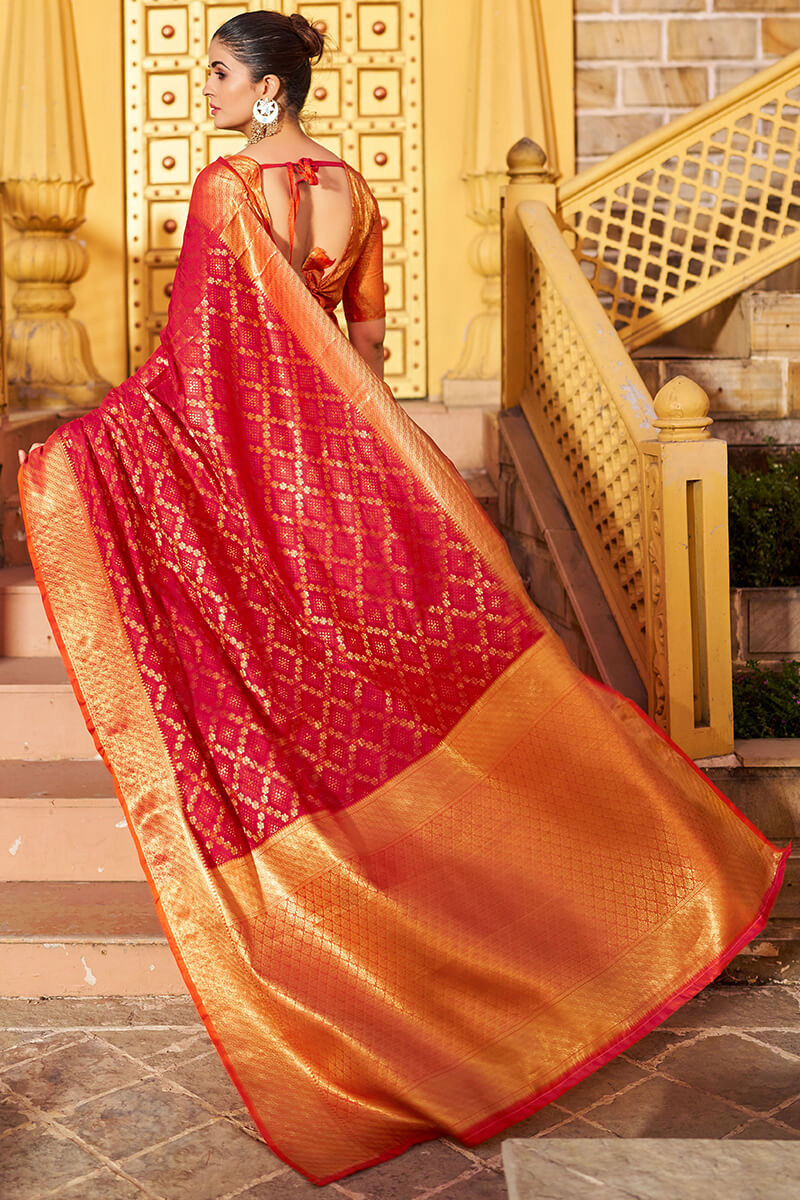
x,y
100,295
453,287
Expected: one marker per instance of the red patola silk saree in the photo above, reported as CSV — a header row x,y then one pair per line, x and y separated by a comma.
x,y
419,873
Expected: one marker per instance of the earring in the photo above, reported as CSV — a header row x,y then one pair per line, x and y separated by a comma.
x,y
266,114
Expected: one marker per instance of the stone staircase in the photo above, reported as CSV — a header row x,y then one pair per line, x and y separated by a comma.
x,y
76,914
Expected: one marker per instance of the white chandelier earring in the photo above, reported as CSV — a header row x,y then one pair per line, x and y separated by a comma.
x,y
265,118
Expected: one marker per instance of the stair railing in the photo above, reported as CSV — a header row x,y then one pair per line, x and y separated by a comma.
x,y
695,212
644,484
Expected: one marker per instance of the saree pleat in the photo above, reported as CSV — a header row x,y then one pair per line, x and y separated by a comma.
x,y
420,875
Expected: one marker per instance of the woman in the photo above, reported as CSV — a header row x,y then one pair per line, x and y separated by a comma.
x,y
420,875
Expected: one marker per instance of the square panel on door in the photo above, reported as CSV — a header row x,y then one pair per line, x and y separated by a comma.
x,y
392,215
381,155
394,285
168,96
166,222
379,26
160,289
379,92
394,351
324,96
167,30
169,160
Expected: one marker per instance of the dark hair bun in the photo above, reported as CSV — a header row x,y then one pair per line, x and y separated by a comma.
x,y
309,35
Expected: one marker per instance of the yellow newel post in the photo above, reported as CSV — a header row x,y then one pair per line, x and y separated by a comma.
x,y
687,590
511,94
528,179
44,174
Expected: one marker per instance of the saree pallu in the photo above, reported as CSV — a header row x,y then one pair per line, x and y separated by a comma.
x,y
419,873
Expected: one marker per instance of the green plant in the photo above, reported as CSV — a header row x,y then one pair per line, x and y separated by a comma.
x,y
766,702
764,520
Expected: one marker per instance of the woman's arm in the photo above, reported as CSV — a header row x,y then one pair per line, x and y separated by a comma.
x,y
367,337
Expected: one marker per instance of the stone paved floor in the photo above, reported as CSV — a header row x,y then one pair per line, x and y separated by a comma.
x,y
117,1099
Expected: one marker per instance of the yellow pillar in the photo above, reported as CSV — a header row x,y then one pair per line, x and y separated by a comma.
x,y
44,174
511,97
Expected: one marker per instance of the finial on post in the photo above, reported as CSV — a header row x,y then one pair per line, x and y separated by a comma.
x,y
527,161
682,411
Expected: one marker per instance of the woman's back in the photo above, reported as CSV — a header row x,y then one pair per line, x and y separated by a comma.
x,y
310,206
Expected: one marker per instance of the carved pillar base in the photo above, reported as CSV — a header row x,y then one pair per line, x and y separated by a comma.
x,y
49,360
50,366
480,358
44,174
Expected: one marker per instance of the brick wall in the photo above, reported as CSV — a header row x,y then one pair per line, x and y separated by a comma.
x,y
641,63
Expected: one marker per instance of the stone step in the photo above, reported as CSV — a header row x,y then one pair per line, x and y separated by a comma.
x,y
39,715
62,821
613,1167
24,629
756,322
485,492
760,322
738,388
83,939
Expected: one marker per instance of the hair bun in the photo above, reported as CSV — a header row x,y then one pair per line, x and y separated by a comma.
x,y
309,35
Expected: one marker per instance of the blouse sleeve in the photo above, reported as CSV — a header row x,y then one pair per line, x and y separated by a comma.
x,y
363,295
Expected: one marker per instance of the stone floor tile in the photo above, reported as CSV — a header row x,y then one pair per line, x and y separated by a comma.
x,y
207,1078
656,1043
784,1039
744,1072
577,1127
660,1108
11,1114
85,1013
69,1075
615,1075
480,1185
532,1126
765,1131
135,1118
790,1115
34,1161
290,1185
425,1166
10,1038
24,1046
204,1164
159,1048
103,1185
768,1007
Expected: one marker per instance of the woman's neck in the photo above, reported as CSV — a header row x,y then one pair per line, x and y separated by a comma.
x,y
288,144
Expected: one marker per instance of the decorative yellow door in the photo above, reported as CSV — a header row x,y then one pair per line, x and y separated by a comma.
x,y
365,104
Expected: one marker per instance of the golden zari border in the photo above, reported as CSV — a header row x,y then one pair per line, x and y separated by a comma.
x,y
454,944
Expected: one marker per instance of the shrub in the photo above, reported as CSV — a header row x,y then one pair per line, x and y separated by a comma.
x,y
766,702
764,518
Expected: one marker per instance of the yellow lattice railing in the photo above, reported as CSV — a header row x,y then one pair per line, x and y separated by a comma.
x,y
695,212
643,483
